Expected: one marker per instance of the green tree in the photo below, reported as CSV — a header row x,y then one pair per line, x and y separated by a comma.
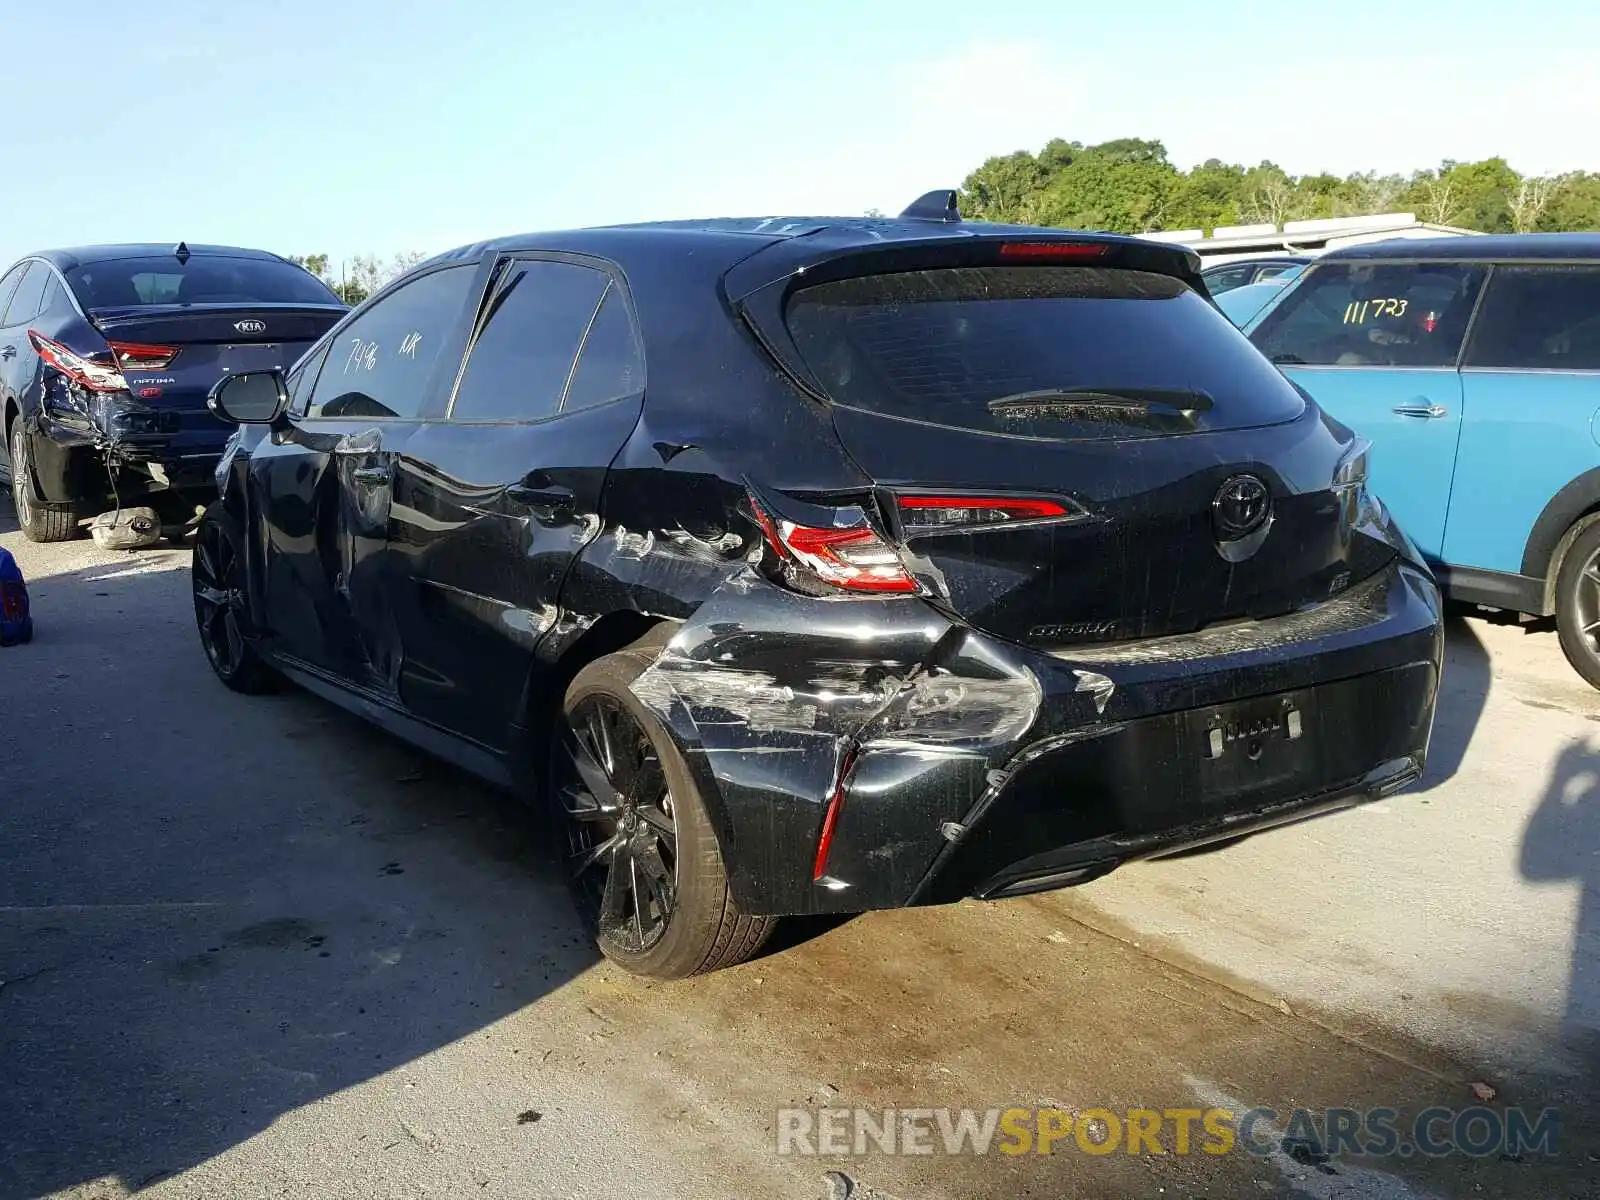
x,y
1131,186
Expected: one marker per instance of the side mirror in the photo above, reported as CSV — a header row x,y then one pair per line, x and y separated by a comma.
x,y
249,398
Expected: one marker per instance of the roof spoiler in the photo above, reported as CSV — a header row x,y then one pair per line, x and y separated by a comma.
x,y
934,206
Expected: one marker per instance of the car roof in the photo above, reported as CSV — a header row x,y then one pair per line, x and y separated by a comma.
x,y
737,238
1482,248
1256,261
67,258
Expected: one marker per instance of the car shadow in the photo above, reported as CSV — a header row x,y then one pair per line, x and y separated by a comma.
x,y
1561,844
1463,691
217,909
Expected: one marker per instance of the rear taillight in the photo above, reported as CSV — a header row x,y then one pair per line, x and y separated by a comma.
x,y
854,558
140,356
97,377
1057,251
926,514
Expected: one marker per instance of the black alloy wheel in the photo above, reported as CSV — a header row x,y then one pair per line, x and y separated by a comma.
x,y
219,607
622,836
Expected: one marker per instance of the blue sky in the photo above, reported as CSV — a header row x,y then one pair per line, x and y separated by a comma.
x,y
373,126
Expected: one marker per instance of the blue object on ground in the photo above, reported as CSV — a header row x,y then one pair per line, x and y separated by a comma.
x,y
16,622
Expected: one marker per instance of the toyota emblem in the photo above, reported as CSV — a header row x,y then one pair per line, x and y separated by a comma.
x,y
250,326
1241,507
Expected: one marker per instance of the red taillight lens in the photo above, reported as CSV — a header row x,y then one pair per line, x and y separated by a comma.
x,y
140,356
13,601
830,818
921,514
854,559
1071,251
97,377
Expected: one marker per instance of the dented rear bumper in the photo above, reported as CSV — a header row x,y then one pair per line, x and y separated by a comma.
x,y
964,764
81,435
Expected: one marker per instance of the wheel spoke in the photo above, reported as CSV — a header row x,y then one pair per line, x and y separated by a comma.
x,y
585,859
594,775
1592,572
230,626
205,562
658,821
598,741
578,804
638,900
614,898
215,597
657,879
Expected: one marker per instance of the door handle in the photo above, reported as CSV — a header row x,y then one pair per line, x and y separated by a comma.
x,y
1430,411
371,476
8,351
553,497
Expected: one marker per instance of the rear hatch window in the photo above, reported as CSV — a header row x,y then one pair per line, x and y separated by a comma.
x,y
203,279
1052,352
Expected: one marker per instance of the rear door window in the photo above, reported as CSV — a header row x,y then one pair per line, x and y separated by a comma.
x,y
29,296
379,365
1539,318
1047,352
611,364
203,279
521,360
1373,314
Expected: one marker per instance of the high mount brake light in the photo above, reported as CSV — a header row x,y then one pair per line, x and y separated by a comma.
x,y
1057,251
922,514
97,377
853,559
139,356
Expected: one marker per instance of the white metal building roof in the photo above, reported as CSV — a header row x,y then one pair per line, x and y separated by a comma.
x,y
1230,242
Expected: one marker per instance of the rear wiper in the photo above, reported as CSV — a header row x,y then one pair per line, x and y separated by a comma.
x,y
1288,360
1073,400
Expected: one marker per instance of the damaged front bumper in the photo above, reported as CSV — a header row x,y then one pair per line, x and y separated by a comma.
x,y
960,764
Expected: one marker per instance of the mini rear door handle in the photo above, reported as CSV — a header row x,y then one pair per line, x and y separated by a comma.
x,y
371,476
8,351
1430,411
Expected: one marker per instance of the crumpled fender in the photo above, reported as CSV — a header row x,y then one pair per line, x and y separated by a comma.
x,y
777,699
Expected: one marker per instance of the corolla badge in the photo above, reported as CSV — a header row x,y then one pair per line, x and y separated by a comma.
x,y
249,326
1241,506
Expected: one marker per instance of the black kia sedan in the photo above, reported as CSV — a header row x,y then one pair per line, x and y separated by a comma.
x,y
817,566
106,356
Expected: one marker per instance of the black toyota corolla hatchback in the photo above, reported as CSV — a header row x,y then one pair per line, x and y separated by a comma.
x,y
816,566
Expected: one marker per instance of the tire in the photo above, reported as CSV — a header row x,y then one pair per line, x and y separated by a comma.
x,y
701,928
1578,604
38,523
217,575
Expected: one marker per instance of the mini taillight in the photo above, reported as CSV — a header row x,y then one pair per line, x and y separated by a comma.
x,y
922,514
854,558
1055,250
97,377
139,356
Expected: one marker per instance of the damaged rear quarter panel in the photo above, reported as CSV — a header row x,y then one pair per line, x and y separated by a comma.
x,y
771,693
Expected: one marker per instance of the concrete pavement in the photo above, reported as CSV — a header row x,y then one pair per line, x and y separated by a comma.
x,y
250,947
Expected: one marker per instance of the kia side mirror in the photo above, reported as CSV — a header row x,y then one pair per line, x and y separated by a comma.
x,y
249,398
